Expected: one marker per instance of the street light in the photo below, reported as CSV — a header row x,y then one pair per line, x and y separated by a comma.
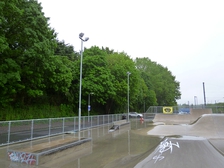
x,y
80,80
128,73
89,107
195,101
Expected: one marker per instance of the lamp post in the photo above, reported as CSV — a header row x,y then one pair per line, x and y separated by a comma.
x,y
128,73
80,80
195,101
89,107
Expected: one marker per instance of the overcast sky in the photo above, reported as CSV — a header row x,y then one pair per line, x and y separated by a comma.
x,y
186,36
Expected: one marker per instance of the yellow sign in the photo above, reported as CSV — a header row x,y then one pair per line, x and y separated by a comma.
x,y
168,110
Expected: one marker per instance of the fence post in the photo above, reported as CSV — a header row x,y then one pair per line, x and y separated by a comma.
x,y
9,132
91,118
49,126
98,120
63,127
84,119
74,123
31,130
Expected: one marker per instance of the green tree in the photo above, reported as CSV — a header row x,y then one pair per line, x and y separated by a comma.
x,y
9,68
65,50
119,64
58,78
96,78
160,81
28,42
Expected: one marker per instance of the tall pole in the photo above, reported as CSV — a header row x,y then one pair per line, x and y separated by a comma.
x,y
80,86
195,97
80,79
128,73
204,94
88,105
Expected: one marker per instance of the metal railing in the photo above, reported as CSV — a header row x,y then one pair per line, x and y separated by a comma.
x,y
25,130
177,109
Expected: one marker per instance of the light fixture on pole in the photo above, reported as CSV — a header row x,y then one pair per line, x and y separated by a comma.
x,y
80,80
128,73
89,106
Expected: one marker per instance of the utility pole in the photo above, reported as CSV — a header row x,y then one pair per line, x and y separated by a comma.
x,y
204,94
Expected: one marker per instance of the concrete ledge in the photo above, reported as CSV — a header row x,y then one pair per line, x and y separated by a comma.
x,y
121,122
118,124
42,152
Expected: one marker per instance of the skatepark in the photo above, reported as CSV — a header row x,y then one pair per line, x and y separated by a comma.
x,y
199,137
169,140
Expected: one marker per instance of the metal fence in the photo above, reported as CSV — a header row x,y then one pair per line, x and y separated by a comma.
x,y
24,130
177,109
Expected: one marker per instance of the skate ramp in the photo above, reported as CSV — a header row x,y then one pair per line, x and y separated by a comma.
x,y
172,118
184,152
181,118
208,126
196,113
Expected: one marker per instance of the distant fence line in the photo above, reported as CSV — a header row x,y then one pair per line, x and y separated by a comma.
x,y
24,130
177,109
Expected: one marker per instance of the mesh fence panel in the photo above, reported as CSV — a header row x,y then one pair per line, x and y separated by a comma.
x,y
40,128
94,121
69,124
20,131
100,120
56,126
4,132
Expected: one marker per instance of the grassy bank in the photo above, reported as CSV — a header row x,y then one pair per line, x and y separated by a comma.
x,y
35,112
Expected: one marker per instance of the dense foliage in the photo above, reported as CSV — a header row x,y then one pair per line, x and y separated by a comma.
x,y
38,70
160,81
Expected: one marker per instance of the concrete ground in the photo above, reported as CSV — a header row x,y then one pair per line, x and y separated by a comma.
x,y
185,152
200,144
141,145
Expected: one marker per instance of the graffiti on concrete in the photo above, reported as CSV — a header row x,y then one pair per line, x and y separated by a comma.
x,y
163,147
22,157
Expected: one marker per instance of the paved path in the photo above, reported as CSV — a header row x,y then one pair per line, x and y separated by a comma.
x,y
186,152
198,145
